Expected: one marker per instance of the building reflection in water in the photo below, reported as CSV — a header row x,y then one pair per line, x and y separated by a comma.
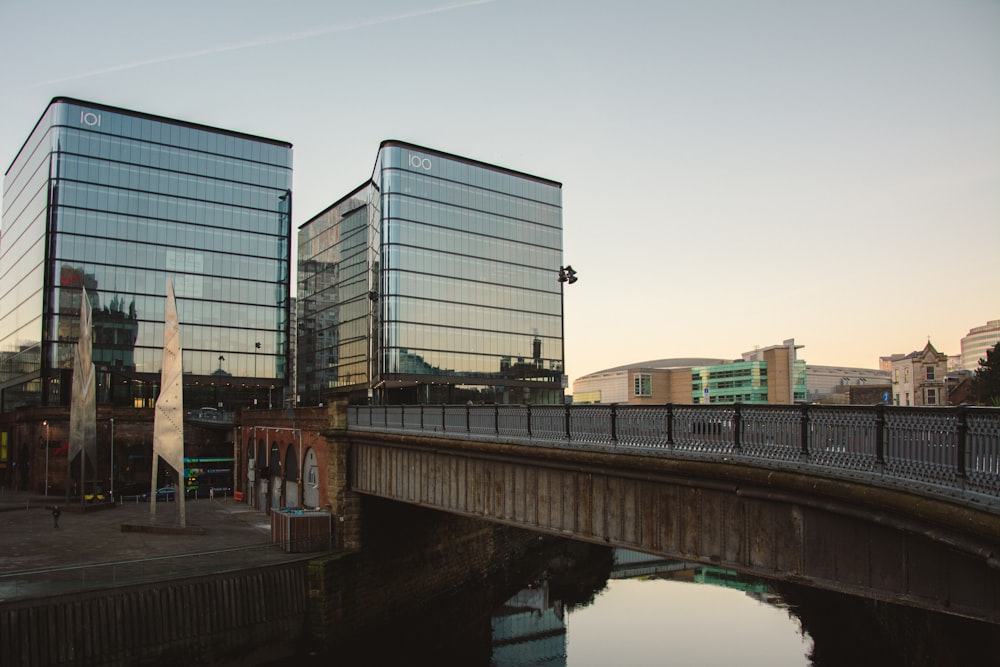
x,y
584,604
529,629
815,627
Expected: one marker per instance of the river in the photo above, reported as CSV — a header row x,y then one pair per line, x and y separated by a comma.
x,y
689,614
583,605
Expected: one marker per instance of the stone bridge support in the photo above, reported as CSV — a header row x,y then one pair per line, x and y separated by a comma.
x,y
344,504
832,534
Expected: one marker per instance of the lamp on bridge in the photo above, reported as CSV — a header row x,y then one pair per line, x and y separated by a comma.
x,y
566,276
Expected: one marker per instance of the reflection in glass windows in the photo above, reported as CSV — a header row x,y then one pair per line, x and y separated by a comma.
x,y
128,201
442,288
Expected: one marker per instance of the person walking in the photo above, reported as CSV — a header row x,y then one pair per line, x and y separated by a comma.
x,y
55,515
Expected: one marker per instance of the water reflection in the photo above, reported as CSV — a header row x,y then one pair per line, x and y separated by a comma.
x,y
650,611
566,603
529,629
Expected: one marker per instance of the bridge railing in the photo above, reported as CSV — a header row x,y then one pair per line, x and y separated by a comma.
x,y
955,451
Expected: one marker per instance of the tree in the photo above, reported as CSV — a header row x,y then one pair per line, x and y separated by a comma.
x,y
986,383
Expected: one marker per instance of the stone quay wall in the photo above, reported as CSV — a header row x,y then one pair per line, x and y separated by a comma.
x,y
209,620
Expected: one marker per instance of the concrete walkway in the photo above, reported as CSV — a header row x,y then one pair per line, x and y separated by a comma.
x,y
120,544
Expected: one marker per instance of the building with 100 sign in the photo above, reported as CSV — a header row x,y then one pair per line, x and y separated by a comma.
x,y
436,281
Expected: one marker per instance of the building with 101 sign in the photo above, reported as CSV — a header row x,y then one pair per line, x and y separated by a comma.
x,y
119,201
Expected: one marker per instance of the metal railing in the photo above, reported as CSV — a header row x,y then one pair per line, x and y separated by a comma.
x,y
953,452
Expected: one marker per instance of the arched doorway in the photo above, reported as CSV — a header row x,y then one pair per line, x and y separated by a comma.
x,y
274,474
261,473
250,476
291,477
310,479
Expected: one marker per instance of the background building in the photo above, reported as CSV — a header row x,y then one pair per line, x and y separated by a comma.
x,y
434,282
764,375
769,375
653,382
119,201
918,378
844,384
977,341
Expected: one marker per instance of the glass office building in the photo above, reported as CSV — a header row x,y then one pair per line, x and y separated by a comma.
x,y
978,342
749,382
119,202
434,282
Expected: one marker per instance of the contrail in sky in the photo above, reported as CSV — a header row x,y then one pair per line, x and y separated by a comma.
x,y
267,41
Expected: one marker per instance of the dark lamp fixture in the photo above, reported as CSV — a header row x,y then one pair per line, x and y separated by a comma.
x,y
567,275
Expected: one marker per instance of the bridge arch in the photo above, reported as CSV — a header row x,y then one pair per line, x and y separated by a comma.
x,y
834,534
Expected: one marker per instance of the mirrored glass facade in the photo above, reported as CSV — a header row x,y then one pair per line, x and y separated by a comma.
x,y
436,282
118,202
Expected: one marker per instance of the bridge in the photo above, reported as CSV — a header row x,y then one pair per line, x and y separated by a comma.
x,y
901,504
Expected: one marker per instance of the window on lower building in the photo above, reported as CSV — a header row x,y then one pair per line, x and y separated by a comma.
x,y
642,384
930,372
932,397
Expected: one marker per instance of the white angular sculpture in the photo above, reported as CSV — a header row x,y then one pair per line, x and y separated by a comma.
x,y
83,404
168,420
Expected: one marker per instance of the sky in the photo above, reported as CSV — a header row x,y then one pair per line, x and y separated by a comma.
x,y
665,622
735,173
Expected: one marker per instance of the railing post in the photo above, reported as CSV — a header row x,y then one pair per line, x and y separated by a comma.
x,y
963,433
468,418
614,423
880,435
496,419
568,432
444,418
529,419
804,431
670,424
421,417
737,427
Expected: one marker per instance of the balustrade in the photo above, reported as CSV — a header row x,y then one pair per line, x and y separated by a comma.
x,y
955,451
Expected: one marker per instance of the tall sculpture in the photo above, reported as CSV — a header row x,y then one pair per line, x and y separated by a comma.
x,y
83,405
168,420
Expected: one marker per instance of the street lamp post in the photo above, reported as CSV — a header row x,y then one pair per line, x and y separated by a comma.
x,y
566,275
256,378
112,458
218,386
46,424
372,343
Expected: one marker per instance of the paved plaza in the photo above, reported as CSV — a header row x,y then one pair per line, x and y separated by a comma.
x,y
121,543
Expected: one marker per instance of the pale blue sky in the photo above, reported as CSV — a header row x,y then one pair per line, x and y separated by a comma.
x,y
735,172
